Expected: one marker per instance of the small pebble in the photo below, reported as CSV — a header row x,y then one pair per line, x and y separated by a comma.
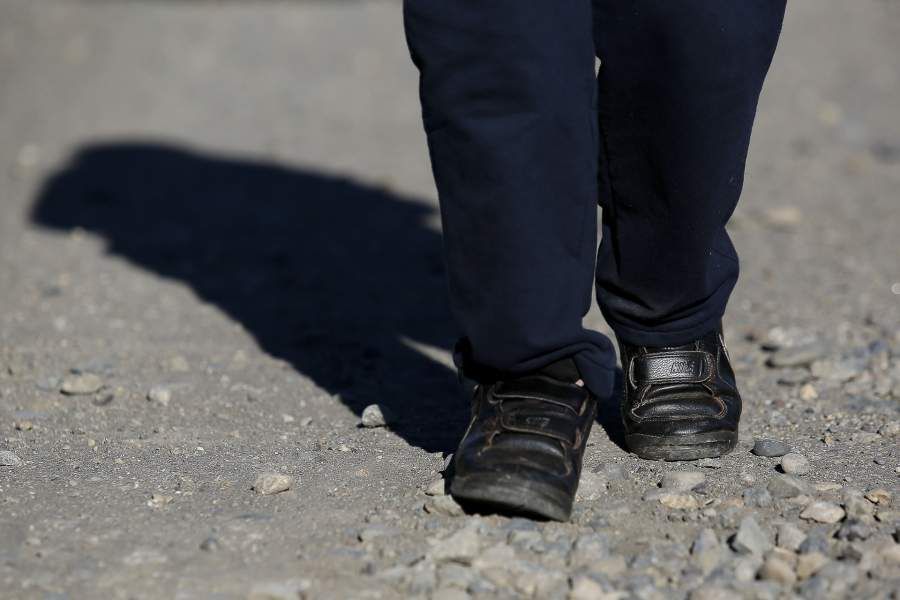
x,y
823,512
770,448
776,569
272,483
789,537
375,416
682,480
9,459
787,486
23,425
750,538
80,384
810,564
160,394
436,487
461,547
794,463
443,505
880,497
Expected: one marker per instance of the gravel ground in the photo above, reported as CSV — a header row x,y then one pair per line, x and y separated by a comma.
x,y
219,244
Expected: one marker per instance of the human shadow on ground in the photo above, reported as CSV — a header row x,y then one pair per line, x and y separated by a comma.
x,y
338,278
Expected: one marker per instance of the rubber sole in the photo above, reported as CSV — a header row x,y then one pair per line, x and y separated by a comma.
x,y
682,447
510,495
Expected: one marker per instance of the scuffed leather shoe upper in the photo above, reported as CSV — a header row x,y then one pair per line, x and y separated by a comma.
x,y
680,390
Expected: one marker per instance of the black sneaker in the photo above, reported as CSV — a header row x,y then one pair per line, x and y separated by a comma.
x,y
681,402
523,449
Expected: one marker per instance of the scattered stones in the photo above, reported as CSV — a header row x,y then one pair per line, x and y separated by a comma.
x,y
23,425
682,480
376,416
268,484
713,592
857,507
9,459
823,512
376,531
794,463
160,394
777,569
810,564
787,486
789,537
461,547
80,384
770,448
443,505
750,538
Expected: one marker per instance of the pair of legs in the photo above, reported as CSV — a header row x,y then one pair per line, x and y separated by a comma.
x,y
526,137
525,140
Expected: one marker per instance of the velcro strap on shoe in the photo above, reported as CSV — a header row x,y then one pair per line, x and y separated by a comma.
x,y
544,389
683,366
560,425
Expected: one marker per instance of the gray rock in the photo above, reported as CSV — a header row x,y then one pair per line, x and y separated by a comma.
x,y
160,394
787,486
770,448
757,496
9,459
794,463
818,540
789,537
80,384
682,480
796,356
460,547
706,551
750,538
438,487
376,416
588,548
821,511
853,530
890,429
267,484
210,544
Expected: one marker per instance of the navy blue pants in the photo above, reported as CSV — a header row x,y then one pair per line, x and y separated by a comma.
x,y
526,138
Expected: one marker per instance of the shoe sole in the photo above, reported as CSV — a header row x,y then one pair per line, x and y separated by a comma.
x,y
682,447
509,495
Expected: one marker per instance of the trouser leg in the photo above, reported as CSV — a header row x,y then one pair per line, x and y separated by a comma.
x,y
678,88
507,90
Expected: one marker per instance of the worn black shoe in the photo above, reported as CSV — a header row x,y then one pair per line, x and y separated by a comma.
x,y
523,449
681,402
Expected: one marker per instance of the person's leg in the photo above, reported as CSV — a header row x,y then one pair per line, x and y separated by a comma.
x,y
678,88
507,90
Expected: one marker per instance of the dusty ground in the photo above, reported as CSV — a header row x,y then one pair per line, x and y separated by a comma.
x,y
228,205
